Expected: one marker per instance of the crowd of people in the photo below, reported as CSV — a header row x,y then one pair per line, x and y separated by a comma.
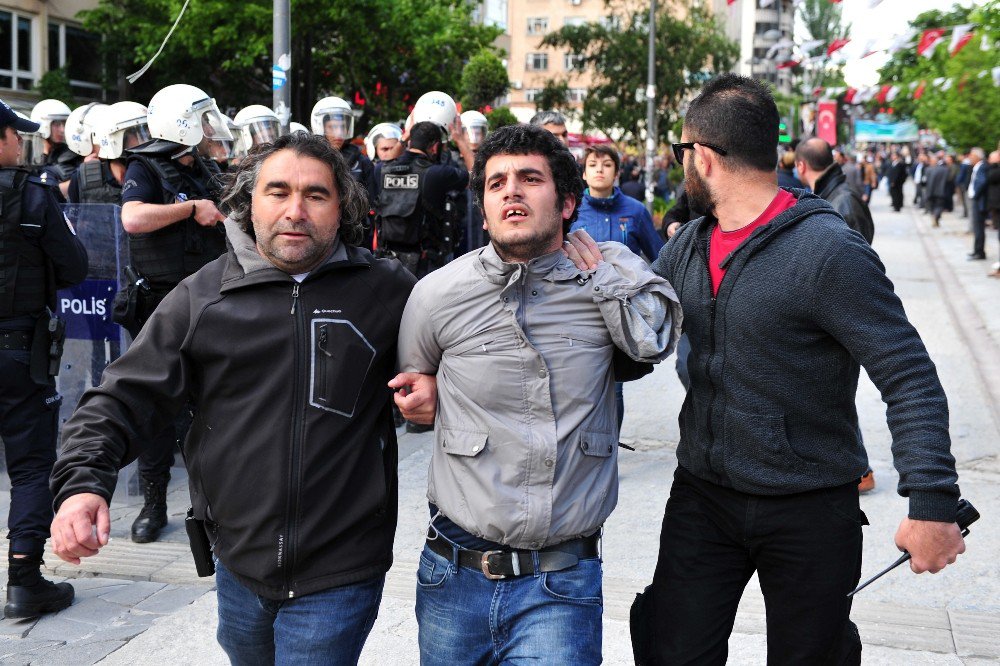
x,y
287,293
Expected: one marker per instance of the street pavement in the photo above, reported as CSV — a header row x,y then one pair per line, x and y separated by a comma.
x,y
143,604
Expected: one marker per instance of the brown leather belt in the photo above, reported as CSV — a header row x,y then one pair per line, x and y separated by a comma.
x,y
15,340
500,564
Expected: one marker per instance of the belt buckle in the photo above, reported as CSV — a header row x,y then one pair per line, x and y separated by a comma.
x,y
484,564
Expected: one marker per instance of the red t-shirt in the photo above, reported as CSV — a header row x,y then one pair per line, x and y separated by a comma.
x,y
724,242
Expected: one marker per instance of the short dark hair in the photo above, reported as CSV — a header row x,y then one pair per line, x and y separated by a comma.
x,y
524,139
816,153
424,134
237,198
604,150
739,114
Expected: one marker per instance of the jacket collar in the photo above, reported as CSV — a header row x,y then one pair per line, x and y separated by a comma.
x,y
830,179
245,266
554,265
606,203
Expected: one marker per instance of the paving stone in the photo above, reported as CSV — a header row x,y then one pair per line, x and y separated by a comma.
x,y
131,594
170,599
78,654
60,628
101,585
21,651
17,628
976,635
182,573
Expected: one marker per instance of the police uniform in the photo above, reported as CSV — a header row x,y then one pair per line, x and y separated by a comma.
x,y
165,257
93,183
414,217
40,253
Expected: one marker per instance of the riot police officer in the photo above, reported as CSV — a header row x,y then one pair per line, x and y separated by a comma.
x,y
122,127
39,253
169,209
333,118
54,159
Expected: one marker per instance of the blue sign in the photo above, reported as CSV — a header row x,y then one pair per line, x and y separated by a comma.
x,y
875,132
278,77
87,310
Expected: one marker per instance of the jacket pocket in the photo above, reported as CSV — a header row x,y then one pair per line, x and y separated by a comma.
x,y
758,457
597,444
340,358
466,443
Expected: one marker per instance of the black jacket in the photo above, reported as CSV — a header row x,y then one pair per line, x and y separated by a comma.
x,y
833,187
993,187
292,452
775,361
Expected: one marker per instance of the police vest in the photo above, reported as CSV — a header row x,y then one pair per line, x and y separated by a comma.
x,y
94,185
168,255
63,164
400,204
22,264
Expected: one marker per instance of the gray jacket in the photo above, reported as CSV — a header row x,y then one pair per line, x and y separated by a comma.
x,y
526,436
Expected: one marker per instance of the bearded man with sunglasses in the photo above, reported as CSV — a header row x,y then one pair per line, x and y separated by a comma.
x,y
782,301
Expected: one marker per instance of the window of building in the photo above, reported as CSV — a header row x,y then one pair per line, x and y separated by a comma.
x,y
612,22
577,94
16,48
575,20
538,25
77,50
537,62
573,62
531,94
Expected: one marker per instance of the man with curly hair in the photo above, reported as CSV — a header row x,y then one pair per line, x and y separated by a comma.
x,y
284,346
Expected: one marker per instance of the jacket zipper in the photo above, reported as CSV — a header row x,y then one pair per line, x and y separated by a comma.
x,y
711,347
298,423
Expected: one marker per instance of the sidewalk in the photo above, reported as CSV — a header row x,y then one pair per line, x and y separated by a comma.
x,y
143,604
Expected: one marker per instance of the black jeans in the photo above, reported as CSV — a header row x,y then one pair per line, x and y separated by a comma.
x,y
805,548
978,229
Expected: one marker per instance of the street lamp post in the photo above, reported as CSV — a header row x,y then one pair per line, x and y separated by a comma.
x,y
281,63
651,107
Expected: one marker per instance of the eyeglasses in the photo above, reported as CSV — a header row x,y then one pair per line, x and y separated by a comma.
x,y
679,149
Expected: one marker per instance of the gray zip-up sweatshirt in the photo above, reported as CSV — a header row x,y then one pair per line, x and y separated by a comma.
x,y
775,360
526,438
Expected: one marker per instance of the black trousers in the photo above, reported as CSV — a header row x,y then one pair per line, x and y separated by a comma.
x,y
896,194
805,548
29,417
978,229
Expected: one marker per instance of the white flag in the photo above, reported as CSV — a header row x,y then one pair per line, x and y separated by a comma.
x,y
947,84
957,33
938,81
891,95
985,45
996,76
872,4
900,42
811,44
982,74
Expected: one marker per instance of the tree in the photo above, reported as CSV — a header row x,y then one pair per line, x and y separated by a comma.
x,y
554,96
688,51
822,20
967,113
500,117
484,79
54,84
380,55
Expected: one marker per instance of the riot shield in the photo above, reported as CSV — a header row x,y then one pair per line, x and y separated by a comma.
x,y
93,340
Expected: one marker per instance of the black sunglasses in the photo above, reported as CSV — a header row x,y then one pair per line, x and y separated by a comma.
x,y
679,149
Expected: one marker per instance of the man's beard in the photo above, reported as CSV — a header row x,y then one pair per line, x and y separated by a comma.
x,y
525,248
700,198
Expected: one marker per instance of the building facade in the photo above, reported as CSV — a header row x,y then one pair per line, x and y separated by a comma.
x,y
37,36
756,29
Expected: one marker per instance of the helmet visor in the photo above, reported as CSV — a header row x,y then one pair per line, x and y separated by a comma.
x,y
338,125
214,125
475,134
136,136
264,131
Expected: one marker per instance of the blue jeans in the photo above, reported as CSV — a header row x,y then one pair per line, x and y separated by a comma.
x,y
328,627
465,618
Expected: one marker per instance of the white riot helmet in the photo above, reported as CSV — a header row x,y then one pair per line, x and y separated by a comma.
x,y
436,107
235,149
122,126
476,126
80,128
257,124
297,127
47,111
185,114
31,143
381,131
332,117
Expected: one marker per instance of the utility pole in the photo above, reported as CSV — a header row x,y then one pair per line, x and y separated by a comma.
x,y
651,107
281,63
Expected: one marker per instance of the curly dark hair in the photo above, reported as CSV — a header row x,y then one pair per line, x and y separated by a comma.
x,y
524,139
237,198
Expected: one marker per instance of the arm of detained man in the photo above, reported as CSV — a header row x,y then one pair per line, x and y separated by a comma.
x,y
877,333
640,308
140,394
418,355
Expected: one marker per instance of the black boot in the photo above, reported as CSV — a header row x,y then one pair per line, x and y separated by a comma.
x,y
28,594
153,517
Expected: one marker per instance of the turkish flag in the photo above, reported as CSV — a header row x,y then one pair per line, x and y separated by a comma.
x,y
960,36
786,64
849,95
929,41
826,121
918,93
883,93
836,45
